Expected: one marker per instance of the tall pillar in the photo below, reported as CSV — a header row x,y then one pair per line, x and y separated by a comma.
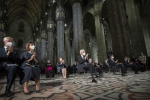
x,y
119,29
60,30
43,45
134,21
50,38
99,31
67,49
38,47
77,26
1,29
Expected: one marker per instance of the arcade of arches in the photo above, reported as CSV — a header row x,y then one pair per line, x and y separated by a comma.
x,y
63,27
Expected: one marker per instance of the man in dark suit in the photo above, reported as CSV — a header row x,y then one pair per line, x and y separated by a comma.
x,y
127,64
114,64
8,56
83,64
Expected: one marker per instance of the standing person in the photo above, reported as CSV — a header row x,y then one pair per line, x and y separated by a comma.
x,y
61,67
142,58
8,56
30,68
84,64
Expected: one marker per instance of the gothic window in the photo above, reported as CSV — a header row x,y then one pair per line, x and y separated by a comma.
x,y
21,27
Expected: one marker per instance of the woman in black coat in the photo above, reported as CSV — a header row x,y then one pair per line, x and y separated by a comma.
x,y
30,68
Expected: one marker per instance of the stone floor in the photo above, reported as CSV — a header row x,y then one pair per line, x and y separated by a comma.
x,y
79,87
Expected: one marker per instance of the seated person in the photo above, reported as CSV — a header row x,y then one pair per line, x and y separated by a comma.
x,y
61,67
98,68
30,68
137,63
128,64
114,64
84,64
74,67
69,70
8,56
106,66
49,70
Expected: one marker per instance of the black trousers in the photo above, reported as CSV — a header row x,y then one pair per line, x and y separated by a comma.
x,y
91,69
120,65
135,68
99,70
12,70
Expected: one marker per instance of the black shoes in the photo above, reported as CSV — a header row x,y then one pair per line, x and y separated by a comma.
x,y
8,93
94,81
27,93
37,91
137,73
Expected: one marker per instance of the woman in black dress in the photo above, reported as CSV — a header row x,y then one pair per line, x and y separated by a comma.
x,y
30,68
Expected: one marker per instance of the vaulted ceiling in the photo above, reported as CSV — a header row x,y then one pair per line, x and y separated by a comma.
x,y
30,10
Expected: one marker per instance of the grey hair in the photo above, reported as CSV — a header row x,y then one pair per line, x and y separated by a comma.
x,y
81,50
6,38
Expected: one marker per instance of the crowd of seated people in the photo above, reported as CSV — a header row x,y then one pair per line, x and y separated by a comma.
x,y
29,65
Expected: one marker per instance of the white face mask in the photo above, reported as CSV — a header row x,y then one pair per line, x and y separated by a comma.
x,y
32,47
84,54
9,44
60,59
112,57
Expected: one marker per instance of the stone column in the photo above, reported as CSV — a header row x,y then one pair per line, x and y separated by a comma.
x,y
50,29
134,21
77,26
43,45
60,31
67,49
1,29
119,29
38,47
99,31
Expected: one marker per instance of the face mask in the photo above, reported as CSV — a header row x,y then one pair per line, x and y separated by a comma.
x,y
84,53
90,61
9,44
60,59
32,47
112,57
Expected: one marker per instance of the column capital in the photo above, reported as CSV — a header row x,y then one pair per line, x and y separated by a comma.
x,y
43,34
97,7
50,25
38,40
60,14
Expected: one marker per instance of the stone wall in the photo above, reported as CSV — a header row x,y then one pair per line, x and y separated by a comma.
x,y
25,36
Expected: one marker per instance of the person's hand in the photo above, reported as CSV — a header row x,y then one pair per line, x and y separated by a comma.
x,y
116,61
10,50
86,56
32,57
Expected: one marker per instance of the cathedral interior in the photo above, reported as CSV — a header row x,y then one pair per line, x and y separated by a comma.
x,y
60,28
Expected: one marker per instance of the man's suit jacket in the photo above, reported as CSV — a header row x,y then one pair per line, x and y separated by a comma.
x,y
11,59
125,63
81,62
111,63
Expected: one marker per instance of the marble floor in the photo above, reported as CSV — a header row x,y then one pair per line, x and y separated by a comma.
x,y
79,87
